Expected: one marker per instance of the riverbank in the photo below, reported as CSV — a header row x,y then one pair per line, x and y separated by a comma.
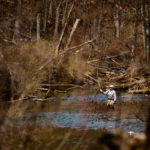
x,y
29,137
67,71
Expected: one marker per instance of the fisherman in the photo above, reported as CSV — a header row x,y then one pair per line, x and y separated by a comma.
x,y
111,96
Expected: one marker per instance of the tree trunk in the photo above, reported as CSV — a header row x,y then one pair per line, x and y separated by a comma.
x,y
45,15
18,21
94,24
72,32
51,8
135,34
143,28
33,16
57,22
84,18
146,29
38,27
116,21
100,17
63,31
64,13
5,80
148,41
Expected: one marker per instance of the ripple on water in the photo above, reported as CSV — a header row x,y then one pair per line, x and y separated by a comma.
x,y
100,98
81,120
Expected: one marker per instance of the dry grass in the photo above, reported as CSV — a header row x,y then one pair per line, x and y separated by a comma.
x,y
31,137
23,64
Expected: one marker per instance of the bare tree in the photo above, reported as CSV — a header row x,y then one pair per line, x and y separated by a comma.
x,y
51,8
57,21
146,28
116,19
18,21
33,16
100,16
135,32
64,28
38,27
65,12
45,15
72,32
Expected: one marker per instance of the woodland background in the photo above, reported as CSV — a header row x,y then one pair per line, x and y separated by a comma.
x,y
77,42
53,46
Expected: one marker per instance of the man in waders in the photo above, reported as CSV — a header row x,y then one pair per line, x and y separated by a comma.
x,y
111,96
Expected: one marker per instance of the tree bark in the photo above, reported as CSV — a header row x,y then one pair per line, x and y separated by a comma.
x,y
72,32
45,15
148,41
84,18
94,24
57,21
135,33
63,31
51,8
64,13
18,21
38,27
143,28
146,29
100,17
117,21
33,16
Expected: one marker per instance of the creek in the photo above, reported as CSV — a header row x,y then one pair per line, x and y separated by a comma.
x,y
79,109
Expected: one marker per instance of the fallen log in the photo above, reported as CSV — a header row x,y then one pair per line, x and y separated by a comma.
x,y
72,32
62,84
139,91
62,53
42,89
90,77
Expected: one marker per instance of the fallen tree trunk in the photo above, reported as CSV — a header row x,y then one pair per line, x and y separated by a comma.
x,y
140,91
62,53
72,32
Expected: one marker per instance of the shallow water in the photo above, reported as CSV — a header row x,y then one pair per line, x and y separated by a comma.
x,y
72,111
81,121
101,98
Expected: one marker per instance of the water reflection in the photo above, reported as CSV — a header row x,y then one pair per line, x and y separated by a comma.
x,y
100,98
77,112
80,121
